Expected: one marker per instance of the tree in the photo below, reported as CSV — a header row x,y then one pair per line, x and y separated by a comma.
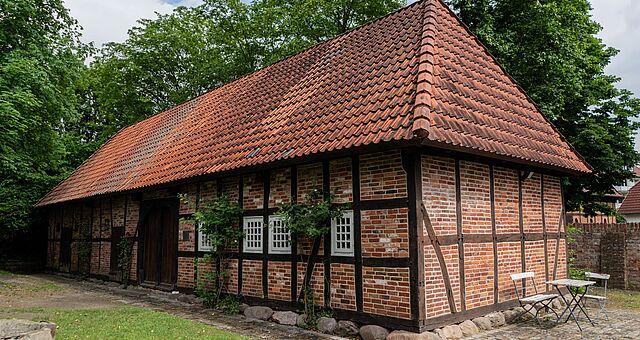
x,y
552,51
183,54
41,61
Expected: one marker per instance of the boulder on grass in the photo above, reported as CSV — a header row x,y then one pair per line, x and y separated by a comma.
x,y
24,329
469,328
373,332
483,323
285,318
327,325
346,328
258,312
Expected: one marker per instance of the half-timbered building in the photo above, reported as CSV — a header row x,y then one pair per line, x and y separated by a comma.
x,y
452,174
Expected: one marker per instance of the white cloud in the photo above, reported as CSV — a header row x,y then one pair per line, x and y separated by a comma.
x,y
108,20
620,20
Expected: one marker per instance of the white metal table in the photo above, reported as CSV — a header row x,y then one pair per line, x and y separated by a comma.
x,y
573,286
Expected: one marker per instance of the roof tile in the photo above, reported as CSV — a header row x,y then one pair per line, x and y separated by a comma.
x,y
416,73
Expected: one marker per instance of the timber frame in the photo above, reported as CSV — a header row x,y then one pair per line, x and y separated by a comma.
x,y
418,220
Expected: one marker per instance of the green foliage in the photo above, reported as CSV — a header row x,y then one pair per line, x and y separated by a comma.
x,y
219,221
84,257
124,257
551,48
574,271
41,62
311,218
230,305
181,55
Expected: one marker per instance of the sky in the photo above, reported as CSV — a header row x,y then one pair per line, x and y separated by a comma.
x,y
109,20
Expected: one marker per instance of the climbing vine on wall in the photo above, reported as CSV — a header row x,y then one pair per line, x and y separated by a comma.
x,y
218,220
311,219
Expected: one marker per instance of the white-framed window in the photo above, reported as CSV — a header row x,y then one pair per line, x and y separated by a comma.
x,y
279,236
342,235
204,243
252,227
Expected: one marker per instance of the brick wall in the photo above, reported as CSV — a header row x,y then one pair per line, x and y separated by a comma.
x,y
382,176
440,196
609,248
386,291
384,232
343,288
252,278
279,274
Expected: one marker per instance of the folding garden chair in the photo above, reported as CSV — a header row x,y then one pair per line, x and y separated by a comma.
x,y
524,299
601,299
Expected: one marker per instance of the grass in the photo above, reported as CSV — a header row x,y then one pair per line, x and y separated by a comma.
x,y
124,323
623,299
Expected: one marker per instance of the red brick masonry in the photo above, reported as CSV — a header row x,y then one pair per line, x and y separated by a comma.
x,y
476,198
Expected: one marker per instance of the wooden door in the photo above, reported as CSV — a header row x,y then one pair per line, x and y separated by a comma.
x,y
160,245
65,249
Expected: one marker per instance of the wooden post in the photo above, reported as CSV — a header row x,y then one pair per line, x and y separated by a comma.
x,y
357,230
463,294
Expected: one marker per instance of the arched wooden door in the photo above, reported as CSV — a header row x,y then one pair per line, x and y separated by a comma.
x,y
159,244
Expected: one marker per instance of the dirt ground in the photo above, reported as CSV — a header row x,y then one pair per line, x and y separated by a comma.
x,y
20,294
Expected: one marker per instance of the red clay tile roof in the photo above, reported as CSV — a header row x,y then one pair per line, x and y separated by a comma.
x,y
631,203
416,74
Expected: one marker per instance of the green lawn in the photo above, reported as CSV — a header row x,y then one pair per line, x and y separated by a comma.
x,y
623,299
125,323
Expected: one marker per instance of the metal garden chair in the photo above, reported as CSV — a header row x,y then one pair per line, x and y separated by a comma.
x,y
601,299
544,300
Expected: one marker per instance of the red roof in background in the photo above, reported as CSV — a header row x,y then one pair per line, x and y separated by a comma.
x,y
631,203
417,73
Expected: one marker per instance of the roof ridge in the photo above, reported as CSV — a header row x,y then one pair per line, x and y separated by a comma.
x,y
424,79
513,80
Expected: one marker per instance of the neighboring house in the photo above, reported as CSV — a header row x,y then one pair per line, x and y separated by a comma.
x,y
612,200
406,112
628,184
630,207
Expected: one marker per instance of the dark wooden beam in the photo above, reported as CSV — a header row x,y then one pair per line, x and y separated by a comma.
x,y
294,239
240,241
412,166
494,232
522,236
388,203
266,181
357,229
463,294
326,189
440,256
544,233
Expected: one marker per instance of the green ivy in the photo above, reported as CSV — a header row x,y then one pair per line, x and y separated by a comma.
x,y
219,221
311,218
124,257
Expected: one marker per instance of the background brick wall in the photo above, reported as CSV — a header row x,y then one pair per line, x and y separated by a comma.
x,y
609,248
